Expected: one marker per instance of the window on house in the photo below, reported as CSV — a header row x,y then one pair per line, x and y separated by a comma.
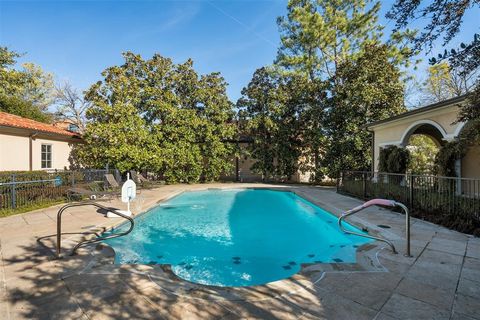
x,y
46,156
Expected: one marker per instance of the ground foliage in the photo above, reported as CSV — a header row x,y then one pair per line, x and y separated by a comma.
x,y
440,205
157,115
393,159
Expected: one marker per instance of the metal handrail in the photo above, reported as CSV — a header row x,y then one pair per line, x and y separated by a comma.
x,y
383,202
87,241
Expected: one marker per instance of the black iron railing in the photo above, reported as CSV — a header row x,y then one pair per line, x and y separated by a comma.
x,y
26,189
447,200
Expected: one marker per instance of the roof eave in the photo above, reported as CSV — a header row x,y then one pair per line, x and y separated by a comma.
x,y
441,104
47,133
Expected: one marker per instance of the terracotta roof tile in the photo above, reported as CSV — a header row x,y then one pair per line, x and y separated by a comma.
x,y
10,120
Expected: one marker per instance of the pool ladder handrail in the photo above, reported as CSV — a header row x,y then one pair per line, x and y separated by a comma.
x,y
88,241
383,202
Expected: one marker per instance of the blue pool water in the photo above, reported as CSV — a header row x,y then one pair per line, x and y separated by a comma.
x,y
236,237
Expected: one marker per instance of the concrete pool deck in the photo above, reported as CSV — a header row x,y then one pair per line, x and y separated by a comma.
x,y
440,281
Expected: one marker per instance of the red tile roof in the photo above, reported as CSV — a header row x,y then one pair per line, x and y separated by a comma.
x,y
11,120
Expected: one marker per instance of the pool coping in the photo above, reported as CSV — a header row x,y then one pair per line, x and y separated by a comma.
x,y
367,259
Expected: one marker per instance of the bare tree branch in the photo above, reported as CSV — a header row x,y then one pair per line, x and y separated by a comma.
x,y
71,105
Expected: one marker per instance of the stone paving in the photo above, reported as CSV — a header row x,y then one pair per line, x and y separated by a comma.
x,y
440,281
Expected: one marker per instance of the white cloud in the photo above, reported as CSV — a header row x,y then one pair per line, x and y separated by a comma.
x,y
179,16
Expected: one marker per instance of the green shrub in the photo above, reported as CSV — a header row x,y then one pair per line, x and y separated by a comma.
x,y
393,159
446,158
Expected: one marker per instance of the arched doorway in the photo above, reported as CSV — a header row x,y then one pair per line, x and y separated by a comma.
x,y
423,150
428,128
423,139
437,121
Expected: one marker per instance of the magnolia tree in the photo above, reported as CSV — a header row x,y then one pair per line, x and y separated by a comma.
x,y
270,109
157,115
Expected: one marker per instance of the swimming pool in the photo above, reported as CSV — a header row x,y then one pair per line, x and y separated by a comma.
x,y
238,237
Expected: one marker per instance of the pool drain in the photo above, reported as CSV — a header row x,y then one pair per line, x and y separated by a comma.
x,y
384,226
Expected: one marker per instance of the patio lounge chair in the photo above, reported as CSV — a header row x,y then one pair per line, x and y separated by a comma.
x,y
140,179
134,176
91,194
112,182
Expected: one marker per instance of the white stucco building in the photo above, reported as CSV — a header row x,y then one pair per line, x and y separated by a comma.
x,y
27,145
438,121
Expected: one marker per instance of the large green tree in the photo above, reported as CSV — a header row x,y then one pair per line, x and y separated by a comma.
x,y
25,91
316,36
258,106
324,41
370,90
157,115
270,110
22,108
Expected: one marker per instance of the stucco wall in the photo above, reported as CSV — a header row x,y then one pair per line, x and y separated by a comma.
x,y
14,153
471,163
301,177
60,153
246,174
392,133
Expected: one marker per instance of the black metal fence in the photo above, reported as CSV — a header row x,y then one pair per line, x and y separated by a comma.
x,y
26,189
451,201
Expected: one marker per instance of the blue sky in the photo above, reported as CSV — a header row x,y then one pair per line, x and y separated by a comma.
x,y
76,40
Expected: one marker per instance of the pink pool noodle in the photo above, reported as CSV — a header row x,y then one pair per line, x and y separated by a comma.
x,y
379,202
373,202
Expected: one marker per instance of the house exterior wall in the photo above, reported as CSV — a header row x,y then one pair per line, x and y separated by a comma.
x,y
471,163
396,132
245,163
245,172
391,133
301,177
15,152
60,154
